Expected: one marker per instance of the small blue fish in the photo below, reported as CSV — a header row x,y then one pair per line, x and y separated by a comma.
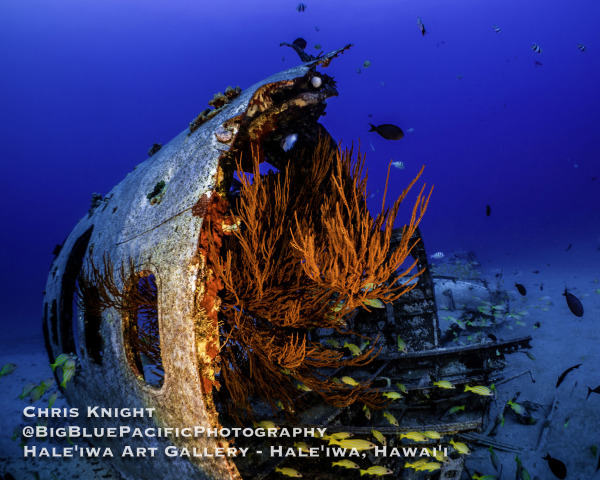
x,y
496,28
581,47
536,48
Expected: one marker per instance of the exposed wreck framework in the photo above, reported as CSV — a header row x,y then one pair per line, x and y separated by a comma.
x,y
142,223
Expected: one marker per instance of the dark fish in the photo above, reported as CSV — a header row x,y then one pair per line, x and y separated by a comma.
x,y
301,7
581,47
568,248
488,210
421,26
388,131
537,324
590,391
574,304
537,64
558,468
300,43
536,271
565,373
594,178
155,148
541,286
521,289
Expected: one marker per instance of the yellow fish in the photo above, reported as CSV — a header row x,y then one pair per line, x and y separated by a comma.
x,y
438,455
415,436
416,464
377,471
392,395
444,384
68,370
401,387
345,464
52,399
378,436
353,348
333,343
479,390
349,381
288,472
60,361
337,436
357,444
432,434
429,466
401,345
391,418
302,446
460,447
27,390
7,369
266,424
303,387
374,302
367,412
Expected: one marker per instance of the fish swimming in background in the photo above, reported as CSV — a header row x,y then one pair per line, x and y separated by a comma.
x,y
377,471
398,165
437,255
318,46
421,26
388,131
574,304
460,447
522,290
488,210
581,47
7,369
558,468
479,390
537,64
496,28
568,247
288,472
345,464
367,64
300,8
565,373
536,48
590,391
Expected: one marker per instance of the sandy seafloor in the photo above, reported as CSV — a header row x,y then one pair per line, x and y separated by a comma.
x,y
562,340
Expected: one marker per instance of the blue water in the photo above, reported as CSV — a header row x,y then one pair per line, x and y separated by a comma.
x,y
87,87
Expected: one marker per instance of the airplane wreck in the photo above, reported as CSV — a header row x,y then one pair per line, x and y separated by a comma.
x,y
167,304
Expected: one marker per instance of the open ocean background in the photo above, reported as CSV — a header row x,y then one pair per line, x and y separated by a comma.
x,y
88,87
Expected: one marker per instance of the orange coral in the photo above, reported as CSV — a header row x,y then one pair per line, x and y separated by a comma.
x,y
308,254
